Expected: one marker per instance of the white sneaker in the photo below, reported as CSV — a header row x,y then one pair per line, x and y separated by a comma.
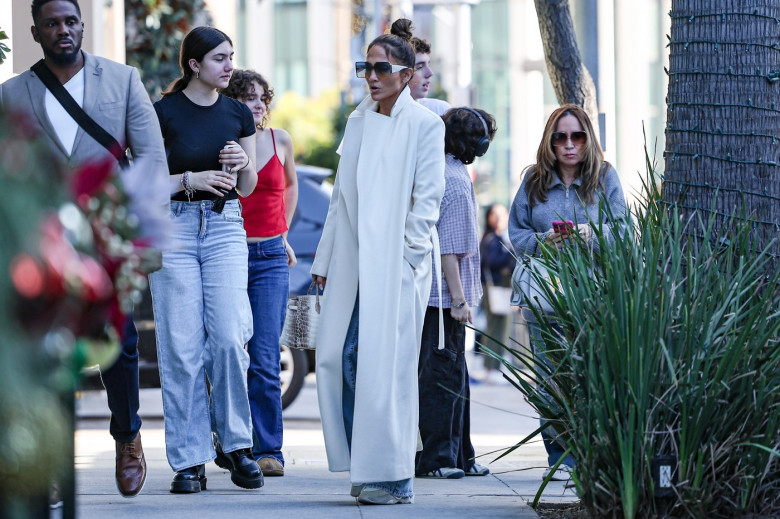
x,y
478,470
443,473
562,473
380,497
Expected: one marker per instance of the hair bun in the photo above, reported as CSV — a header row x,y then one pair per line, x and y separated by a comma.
x,y
402,28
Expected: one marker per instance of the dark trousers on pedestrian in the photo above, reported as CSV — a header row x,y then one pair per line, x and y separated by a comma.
x,y
444,396
121,383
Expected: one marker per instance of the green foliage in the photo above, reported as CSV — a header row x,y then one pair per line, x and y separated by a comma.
x,y
316,126
669,346
154,32
3,47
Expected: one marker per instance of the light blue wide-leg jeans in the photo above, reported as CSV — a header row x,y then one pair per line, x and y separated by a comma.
x,y
203,321
403,487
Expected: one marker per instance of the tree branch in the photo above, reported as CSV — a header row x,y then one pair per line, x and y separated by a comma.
x,y
570,79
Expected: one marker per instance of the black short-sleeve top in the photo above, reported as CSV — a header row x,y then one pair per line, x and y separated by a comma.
x,y
195,134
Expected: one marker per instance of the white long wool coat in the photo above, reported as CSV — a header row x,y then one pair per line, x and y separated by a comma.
x,y
377,236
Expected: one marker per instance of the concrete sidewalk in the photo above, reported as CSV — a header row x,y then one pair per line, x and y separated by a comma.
x,y
499,419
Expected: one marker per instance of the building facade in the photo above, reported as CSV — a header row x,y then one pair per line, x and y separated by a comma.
x,y
486,53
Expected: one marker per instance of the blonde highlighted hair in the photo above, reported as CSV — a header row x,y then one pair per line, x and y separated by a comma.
x,y
540,175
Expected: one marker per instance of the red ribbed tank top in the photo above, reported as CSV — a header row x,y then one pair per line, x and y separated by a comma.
x,y
263,210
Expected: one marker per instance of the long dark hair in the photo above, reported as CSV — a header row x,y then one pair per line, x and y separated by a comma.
x,y
198,42
488,211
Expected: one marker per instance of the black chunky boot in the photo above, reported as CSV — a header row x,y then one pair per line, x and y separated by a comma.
x,y
244,471
189,481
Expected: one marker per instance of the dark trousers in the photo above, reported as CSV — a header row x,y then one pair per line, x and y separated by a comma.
x,y
121,383
445,420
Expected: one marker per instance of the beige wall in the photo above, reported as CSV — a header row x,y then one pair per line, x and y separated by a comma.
x,y
224,16
259,30
527,116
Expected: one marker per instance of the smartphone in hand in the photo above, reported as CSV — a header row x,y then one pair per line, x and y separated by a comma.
x,y
219,203
227,167
563,228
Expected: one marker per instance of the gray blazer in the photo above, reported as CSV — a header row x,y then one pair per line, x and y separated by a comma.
x,y
114,97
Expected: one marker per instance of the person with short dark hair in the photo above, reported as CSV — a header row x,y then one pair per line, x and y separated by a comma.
x,y
114,97
444,379
201,308
420,84
268,214
375,254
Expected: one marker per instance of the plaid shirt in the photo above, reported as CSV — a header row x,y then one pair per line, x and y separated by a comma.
x,y
458,233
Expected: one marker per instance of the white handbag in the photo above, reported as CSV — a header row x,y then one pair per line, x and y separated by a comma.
x,y
526,288
499,299
301,319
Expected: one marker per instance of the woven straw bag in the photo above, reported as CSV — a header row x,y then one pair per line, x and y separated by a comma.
x,y
301,319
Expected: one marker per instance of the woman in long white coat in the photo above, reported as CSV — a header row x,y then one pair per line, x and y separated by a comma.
x,y
375,254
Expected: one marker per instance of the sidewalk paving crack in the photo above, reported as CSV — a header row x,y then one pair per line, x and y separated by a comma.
x,y
506,485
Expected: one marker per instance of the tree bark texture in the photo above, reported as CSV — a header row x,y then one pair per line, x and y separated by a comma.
x,y
723,113
570,79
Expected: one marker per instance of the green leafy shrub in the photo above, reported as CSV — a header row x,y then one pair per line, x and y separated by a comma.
x,y
669,347
3,47
315,124
154,31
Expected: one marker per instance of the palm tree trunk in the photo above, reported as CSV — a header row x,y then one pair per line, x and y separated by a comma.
x,y
723,114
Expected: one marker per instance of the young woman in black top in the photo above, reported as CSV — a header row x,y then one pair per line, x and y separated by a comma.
x,y
202,314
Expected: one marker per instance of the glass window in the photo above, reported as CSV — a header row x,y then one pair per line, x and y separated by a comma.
x,y
291,46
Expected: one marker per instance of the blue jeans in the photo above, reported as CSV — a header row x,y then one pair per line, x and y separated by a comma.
x,y
269,287
401,488
203,320
121,383
445,410
554,447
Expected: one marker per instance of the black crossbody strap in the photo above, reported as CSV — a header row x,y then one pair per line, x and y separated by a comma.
x,y
79,115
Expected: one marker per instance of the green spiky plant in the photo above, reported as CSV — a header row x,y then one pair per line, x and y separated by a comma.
x,y
669,347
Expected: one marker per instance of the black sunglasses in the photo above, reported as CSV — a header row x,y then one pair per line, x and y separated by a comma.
x,y
577,138
382,68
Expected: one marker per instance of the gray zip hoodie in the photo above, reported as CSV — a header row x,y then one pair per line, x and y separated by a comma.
x,y
527,225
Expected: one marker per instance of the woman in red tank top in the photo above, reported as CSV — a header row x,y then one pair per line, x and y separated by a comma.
x,y
267,213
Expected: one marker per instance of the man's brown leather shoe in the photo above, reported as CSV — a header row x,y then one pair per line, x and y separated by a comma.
x,y
130,467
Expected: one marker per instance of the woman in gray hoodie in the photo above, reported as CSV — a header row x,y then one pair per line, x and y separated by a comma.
x,y
568,181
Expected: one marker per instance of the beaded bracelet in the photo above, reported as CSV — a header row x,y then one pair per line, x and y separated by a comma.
x,y
185,183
